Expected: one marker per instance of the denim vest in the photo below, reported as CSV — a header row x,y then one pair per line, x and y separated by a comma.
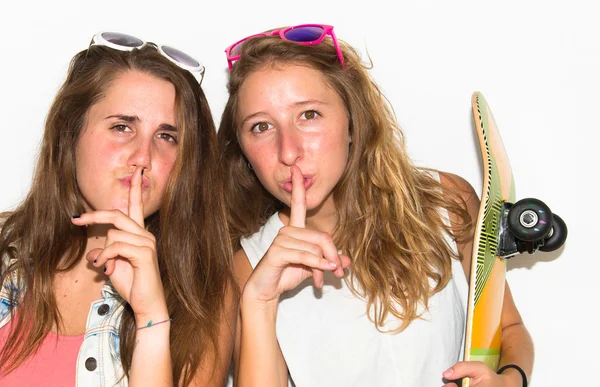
x,y
99,361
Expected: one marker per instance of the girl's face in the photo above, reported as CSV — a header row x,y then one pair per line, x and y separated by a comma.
x,y
132,125
290,115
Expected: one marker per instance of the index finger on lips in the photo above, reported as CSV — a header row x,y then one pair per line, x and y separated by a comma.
x,y
298,202
136,205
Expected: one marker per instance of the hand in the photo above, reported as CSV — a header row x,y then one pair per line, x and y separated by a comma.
x,y
129,255
295,254
481,375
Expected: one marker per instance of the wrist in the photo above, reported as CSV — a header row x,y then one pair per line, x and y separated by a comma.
x,y
157,312
252,296
511,378
254,307
151,318
513,375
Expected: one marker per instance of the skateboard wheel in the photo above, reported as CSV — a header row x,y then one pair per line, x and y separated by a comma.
x,y
557,235
529,220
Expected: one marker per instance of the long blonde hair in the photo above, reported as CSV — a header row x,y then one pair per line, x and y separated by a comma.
x,y
190,227
388,209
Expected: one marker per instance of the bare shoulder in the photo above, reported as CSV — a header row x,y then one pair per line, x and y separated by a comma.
x,y
464,195
459,188
241,267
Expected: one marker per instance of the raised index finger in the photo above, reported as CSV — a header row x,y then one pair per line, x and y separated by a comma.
x,y
136,206
298,203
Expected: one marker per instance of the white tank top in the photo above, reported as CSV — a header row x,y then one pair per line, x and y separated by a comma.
x,y
328,340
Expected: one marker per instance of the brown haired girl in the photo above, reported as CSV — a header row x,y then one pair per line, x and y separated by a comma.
x,y
115,268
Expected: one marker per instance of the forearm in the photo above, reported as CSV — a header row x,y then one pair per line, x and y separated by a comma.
x,y
260,356
151,362
517,348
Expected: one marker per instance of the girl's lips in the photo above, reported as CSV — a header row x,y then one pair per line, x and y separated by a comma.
x,y
308,182
126,181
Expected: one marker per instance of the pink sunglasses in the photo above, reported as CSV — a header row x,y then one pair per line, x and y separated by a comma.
x,y
306,34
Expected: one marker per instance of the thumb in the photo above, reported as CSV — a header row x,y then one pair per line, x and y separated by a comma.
x,y
346,261
463,369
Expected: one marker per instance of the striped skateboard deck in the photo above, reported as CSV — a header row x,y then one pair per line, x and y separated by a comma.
x,y
486,291
503,229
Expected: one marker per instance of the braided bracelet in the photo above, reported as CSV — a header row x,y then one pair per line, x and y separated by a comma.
x,y
517,368
151,324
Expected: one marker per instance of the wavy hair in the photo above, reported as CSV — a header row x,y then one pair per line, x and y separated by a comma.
x,y
388,208
193,243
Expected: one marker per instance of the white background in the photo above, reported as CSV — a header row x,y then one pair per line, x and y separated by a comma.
x,y
537,62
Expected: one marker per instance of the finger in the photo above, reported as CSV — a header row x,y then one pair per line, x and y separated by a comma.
x,y
298,203
109,267
115,235
321,239
114,217
285,257
92,255
292,243
346,261
136,255
471,369
136,205
339,272
318,278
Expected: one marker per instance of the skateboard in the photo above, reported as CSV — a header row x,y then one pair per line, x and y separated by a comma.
x,y
503,229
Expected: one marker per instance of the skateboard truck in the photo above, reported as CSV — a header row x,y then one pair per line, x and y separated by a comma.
x,y
527,226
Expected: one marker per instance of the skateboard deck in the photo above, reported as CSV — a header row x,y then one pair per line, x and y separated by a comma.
x,y
503,229
486,285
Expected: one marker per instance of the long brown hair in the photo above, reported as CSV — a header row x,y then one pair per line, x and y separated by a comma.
x,y
190,226
388,208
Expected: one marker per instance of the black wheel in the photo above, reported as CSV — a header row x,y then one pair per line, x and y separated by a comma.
x,y
529,220
557,235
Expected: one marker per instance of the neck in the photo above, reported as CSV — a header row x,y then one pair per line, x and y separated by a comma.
x,y
78,287
96,238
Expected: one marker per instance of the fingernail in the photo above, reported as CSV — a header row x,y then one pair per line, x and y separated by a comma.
x,y
448,372
75,216
332,264
105,269
322,283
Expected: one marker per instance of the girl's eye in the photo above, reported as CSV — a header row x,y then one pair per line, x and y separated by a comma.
x,y
310,115
121,128
167,137
260,127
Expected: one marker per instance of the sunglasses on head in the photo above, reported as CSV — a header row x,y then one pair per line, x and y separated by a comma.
x,y
124,42
305,34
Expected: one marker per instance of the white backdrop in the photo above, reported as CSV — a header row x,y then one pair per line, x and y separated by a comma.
x,y
537,62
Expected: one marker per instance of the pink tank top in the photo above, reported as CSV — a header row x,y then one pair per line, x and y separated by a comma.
x,y
53,365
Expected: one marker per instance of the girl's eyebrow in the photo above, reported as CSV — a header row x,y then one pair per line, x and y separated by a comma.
x,y
310,102
251,116
126,118
295,104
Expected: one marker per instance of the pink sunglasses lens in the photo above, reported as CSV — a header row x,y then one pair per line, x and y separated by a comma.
x,y
236,50
304,34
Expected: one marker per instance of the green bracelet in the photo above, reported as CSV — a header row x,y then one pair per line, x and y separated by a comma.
x,y
151,324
